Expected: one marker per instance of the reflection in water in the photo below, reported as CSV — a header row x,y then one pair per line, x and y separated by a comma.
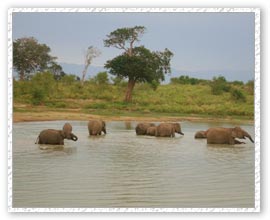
x,y
57,149
121,169
128,125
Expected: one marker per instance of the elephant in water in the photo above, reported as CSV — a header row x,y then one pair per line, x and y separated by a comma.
x,y
168,129
226,135
95,127
56,137
51,136
151,131
200,134
141,128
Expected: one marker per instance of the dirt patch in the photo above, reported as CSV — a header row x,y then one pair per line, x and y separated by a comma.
x,y
78,116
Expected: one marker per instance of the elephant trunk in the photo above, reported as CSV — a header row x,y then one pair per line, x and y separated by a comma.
x,y
74,137
180,132
250,138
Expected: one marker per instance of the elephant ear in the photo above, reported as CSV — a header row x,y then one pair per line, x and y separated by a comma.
x,y
236,132
63,133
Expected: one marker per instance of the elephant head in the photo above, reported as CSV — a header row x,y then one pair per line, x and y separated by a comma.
x,y
177,128
67,132
104,127
238,132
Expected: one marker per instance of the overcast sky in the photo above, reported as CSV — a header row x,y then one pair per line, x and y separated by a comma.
x,y
200,41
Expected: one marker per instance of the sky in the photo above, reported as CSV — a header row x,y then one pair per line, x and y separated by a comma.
x,y
202,43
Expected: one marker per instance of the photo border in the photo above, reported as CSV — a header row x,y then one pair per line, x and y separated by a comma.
x,y
139,10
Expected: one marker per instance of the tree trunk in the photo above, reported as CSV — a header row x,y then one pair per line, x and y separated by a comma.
x,y
131,84
21,75
84,74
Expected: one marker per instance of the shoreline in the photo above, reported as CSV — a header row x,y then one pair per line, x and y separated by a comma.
x,y
78,116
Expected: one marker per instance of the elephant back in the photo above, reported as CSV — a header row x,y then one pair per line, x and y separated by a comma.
x,y
165,130
95,127
141,128
151,131
51,136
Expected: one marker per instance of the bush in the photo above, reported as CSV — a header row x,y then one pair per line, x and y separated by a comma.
x,y
219,85
185,80
238,95
38,96
250,87
102,78
69,79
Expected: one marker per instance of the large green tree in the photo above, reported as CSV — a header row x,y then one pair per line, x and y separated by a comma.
x,y
30,56
143,66
137,64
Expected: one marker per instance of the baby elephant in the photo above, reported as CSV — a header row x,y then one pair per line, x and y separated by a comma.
x,y
168,129
141,128
151,131
226,135
56,137
200,134
95,127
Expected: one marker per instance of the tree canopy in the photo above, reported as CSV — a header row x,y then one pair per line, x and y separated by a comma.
x,y
30,56
124,38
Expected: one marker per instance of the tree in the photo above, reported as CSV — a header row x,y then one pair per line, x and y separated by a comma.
x,y
90,54
142,66
30,56
124,38
138,64
56,70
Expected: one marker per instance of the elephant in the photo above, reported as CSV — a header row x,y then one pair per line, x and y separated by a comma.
x,y
226,135
95,127
168,129
151,131
200,134
52,136
67,128
141,128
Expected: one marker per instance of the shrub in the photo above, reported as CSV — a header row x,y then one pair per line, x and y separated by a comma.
x,y
219,85
250,87
238,95
102,78
69,79
38,96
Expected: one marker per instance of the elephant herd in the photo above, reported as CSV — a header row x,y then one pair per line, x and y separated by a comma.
x,y
96,127
213,135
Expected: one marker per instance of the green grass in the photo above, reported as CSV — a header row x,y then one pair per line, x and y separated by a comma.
x,y
166,100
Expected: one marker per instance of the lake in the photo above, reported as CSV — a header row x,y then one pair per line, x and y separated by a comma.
x,y
121,169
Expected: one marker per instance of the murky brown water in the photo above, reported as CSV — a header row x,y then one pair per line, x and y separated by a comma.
x,y
125,170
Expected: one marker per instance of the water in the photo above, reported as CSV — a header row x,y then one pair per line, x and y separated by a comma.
x,y
125,170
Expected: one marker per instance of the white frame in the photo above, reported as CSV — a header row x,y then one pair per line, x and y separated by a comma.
x,y
104,10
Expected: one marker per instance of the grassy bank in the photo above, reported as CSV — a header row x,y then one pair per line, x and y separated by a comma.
x,y
173,100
